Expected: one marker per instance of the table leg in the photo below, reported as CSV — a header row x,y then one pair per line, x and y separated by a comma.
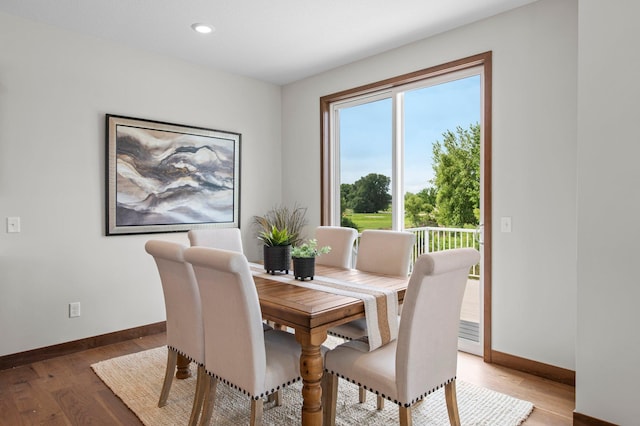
x,y
311,370
182,368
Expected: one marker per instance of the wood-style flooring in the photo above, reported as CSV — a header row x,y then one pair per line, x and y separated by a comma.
x,y
65,391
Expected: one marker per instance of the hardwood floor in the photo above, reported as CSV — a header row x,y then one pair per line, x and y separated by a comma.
x,y
554,402
65,391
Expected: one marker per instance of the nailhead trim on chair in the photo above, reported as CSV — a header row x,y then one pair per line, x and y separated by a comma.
x,y
402,404
228,383
256,397
334,334
184,355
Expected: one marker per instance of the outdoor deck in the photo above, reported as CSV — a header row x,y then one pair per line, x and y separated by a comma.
x,y
471,302
470,312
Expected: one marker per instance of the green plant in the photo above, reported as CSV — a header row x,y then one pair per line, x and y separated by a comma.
x,y
275,237
348,223
282,218
309,249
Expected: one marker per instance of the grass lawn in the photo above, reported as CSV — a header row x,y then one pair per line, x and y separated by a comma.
x,y
371,220
374,220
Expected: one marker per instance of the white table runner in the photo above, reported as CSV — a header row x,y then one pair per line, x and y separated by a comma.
x,y
380,305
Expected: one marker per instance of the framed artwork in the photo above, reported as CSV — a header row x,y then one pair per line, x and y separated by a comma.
x,y
164,177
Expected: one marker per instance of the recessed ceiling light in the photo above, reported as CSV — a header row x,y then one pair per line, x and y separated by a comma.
x,y
202,28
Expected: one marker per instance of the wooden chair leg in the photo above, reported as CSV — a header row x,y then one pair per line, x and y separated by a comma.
x,y
380,403
405,416
276,397
198,399
329,399
452,403
362,395
257,407
209,399
172,361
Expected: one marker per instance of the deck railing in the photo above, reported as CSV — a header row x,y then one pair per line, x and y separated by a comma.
x,y
431,239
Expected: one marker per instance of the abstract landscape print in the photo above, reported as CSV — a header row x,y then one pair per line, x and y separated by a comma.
x,y
166,177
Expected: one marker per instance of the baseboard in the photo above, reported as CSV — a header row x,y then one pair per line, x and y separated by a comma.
x,y
40,354
557,374
584,420
550,372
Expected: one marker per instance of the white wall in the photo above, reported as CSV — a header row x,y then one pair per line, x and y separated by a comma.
x,y
534,165
55,89
608,346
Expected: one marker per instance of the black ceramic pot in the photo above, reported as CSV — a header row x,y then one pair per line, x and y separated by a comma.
x,y
304,267
277,259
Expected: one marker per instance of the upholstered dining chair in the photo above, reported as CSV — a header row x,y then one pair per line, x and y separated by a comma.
x,y
237,351
185,332
225,239
221,238
424,356
380,252
341,240
385,252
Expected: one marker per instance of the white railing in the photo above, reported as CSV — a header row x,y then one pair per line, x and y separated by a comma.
x,y
430,239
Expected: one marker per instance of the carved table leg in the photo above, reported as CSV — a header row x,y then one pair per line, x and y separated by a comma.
x,y
311,370
182,369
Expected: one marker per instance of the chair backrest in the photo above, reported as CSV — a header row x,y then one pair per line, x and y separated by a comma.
x,y
234,340
385,252
341,240
181,298
427,347
220,238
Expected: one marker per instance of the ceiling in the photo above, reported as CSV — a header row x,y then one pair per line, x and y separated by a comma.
x,y
277,41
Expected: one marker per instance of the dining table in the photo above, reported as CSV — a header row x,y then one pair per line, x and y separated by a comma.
x,y
311,312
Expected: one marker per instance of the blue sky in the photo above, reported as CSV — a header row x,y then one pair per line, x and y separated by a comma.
x,y
365,130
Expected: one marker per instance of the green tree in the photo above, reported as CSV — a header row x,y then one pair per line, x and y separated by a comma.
x,y
420,208
346,197
371,193
456,163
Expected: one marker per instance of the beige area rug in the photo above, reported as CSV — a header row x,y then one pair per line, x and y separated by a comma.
x,y
137,379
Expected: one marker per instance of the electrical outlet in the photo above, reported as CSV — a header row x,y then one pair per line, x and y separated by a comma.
x,y
74,309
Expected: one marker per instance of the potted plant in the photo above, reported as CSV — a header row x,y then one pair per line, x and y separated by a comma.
x,y
280,228
276,249
304,259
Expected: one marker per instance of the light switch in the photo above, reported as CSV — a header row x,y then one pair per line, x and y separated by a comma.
x,y
13,224
505,224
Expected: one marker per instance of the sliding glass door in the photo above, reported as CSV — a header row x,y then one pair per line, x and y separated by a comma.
x,y
408,158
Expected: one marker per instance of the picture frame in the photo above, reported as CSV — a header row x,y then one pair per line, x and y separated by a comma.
x,y
166,177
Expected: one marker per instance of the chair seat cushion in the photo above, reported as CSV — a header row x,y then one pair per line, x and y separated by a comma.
x,y
375,368
283,360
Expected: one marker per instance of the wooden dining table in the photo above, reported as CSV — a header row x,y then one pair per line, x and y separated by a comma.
x,y
310,313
